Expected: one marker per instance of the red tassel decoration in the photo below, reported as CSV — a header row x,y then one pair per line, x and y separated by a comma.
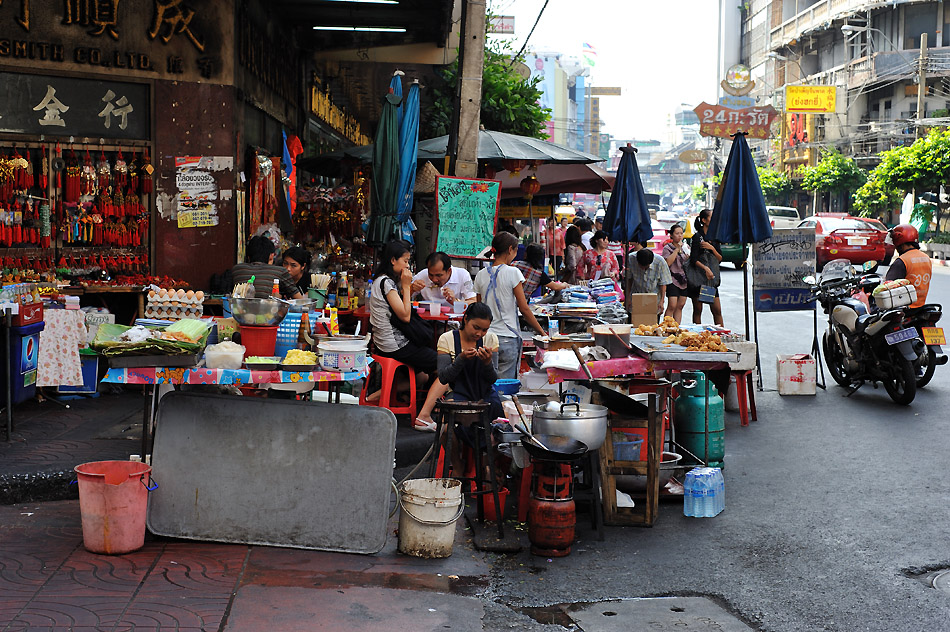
x,y
44,169
29,180
59,179
71,187
121,172
104,173
134,165
87,182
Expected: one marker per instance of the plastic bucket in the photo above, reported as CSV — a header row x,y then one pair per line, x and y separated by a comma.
x,y
259,340
430,507
488,503
628,450
113,497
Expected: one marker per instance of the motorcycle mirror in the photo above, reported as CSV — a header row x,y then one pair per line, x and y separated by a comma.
x,y
810,280
868,265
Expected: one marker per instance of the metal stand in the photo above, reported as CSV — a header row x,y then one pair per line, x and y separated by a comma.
x,y
816,351
8,323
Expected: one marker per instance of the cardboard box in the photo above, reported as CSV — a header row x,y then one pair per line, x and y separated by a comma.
x,y
796,374
643,309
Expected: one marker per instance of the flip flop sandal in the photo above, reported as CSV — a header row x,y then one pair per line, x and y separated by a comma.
x,y
423,426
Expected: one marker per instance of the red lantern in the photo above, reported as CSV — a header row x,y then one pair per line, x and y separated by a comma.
x,y
514,165
530,187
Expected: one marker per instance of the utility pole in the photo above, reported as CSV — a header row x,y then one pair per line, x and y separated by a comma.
x,y
469,107
921,82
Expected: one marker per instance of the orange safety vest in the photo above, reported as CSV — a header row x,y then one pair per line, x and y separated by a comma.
x,y
919,270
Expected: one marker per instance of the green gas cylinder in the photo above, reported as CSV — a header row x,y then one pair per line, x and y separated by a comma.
x,y
697,402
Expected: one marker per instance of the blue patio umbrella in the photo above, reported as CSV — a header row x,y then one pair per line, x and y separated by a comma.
x,y
627,217
408,152
739,216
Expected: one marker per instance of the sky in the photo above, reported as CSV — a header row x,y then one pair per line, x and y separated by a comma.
x,y
660,52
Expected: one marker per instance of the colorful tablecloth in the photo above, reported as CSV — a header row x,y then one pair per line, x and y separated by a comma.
x,y
631,365
63,333
236,377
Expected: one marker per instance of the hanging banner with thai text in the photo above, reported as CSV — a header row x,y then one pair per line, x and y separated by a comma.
x,y
778,266
725,122
61,106
812,99
465,214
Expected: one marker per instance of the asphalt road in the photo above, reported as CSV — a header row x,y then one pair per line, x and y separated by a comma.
x,y
836,511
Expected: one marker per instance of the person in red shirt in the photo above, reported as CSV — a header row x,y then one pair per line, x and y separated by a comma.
x,y
912,264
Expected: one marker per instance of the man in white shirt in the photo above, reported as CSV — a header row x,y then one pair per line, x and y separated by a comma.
x,y
441,282
587,231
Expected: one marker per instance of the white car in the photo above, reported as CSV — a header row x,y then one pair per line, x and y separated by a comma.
x,y
783,216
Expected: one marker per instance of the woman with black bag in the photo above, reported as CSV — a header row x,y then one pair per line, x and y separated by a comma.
x,y
396,334
702,273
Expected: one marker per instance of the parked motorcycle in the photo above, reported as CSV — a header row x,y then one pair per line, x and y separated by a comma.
x,y
861,346
929,356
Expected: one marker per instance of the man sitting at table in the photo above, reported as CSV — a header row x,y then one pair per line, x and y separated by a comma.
x,y
443,283
260,265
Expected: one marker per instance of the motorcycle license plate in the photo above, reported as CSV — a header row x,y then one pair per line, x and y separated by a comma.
x,y
901,335
933,335
857,241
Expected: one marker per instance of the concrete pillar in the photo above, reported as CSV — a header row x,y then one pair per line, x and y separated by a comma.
x,y
470,87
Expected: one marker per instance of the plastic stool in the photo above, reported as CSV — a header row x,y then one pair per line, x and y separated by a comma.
x,y
745,393
387,398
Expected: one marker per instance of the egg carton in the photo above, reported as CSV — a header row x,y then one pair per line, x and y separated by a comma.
x,y
176,313
176,297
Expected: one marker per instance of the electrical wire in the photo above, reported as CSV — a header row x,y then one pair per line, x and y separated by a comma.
x,y
530,33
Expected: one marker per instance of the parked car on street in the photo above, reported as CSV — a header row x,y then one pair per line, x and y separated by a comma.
x,y
879,225
783,216
845,238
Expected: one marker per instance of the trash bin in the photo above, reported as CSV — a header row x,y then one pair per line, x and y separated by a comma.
x,y
24,356
113,498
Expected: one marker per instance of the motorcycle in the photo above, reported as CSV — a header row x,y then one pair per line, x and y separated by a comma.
x,y
928,345
861,346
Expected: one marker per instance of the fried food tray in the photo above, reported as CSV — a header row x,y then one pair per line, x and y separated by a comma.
x,y
653,348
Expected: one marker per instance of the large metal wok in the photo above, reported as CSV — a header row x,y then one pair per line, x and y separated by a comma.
x,y
559,448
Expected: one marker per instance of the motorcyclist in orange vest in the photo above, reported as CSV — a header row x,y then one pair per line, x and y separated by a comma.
x,y
912,264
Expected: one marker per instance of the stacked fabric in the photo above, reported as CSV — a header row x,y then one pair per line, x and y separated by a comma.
x,y
604,291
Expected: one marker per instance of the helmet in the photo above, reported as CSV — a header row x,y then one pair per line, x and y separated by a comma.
x,y
903,234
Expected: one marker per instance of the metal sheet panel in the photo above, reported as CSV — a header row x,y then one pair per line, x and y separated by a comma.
x,y
274,472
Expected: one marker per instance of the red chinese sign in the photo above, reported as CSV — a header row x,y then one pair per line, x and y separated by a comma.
x,y
724,122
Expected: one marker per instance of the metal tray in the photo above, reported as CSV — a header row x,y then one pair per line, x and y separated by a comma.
x,y
653,348
139,361
298,368
261,366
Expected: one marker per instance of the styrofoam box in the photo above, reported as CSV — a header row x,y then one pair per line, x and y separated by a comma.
x,y
898,297
746,360
796,374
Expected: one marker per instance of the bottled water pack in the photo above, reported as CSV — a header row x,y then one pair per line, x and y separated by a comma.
x,y
704,492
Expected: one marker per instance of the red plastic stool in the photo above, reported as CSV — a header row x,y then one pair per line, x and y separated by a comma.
x,y
387,398
745,393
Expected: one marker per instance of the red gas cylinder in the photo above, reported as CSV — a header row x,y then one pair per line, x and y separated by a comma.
x,y
551,526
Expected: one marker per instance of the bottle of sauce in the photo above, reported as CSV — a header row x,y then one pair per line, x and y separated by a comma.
x,y
275,289
332,290
343,293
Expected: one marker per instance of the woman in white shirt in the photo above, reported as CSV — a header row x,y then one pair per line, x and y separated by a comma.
x,y
501,288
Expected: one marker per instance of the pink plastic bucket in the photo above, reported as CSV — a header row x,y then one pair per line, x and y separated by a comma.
x,y
113,498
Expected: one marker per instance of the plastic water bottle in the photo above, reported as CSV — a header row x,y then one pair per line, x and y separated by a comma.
x,y
706,502
720,491
689,507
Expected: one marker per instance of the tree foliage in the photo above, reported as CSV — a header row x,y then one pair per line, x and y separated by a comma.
x,y
834,173
874,198
776,185
698,192
509,101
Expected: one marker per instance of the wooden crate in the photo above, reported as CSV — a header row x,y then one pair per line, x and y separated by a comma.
x,y
645,512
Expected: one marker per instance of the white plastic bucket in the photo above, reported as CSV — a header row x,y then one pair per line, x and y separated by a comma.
x,y
429,509
342,356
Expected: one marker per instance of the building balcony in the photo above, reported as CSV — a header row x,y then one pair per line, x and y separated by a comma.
x,y
818,16
896,65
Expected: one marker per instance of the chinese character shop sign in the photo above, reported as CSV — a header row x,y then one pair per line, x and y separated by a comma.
x,y
724,122
61,106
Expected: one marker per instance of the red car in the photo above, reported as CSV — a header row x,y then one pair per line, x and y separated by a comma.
x,y
848,238
879,225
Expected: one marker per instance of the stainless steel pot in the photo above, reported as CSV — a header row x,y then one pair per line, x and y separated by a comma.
x,y
585,423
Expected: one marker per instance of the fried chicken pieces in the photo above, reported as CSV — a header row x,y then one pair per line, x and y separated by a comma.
x,y
668,327
703,341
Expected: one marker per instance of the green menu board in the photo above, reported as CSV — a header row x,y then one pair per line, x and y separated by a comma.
x,y
465,214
